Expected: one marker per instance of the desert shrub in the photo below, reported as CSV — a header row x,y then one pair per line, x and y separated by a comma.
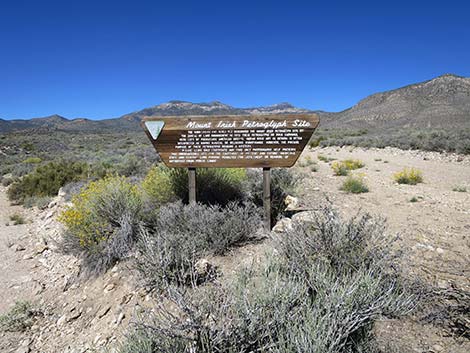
x,y
459,189
306,161
17,219
343,167
325,158
414,199
157,186
101,223
32,160
339,169
320,292
182,234
283,183
19,318
354,185
47,180
40,202
131,165
215,186
408,176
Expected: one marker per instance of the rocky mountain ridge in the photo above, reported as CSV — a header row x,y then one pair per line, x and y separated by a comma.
x,y
443,102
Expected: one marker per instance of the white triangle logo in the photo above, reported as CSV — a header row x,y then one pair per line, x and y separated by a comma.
x,y
154,127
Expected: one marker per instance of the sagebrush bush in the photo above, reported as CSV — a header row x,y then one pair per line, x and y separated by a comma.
x,y
102,221
354,185
320,292
46,180
283,183
182,234
410,176
19,318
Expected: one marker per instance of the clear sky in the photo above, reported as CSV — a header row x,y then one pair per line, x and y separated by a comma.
x,y
101,59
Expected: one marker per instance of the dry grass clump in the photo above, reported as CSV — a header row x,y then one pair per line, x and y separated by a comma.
x,y
17,219
410,176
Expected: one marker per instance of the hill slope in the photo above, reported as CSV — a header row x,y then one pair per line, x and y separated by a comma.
x,y
443,102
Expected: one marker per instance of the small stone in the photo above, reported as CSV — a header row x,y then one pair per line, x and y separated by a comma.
x,y
40,248
437,347
73,315
291,202
440,251
283,225
19,247
27,257
110,287
23,350
103,311
203,267
120,317
303,217
62,320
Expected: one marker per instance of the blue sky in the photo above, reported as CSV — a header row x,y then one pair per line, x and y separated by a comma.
x,y
101,59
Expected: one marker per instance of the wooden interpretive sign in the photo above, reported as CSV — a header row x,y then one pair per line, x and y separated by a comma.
x,y
245,141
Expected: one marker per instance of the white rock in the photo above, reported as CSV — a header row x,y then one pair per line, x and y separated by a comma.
x,y
303,217
291,202
282,225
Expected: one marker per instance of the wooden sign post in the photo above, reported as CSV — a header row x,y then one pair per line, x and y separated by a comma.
x,y
237,141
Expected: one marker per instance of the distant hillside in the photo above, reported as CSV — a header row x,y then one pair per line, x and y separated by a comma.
x,y
443,102
131,121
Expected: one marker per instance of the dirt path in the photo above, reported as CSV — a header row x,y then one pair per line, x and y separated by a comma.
x,y
16,282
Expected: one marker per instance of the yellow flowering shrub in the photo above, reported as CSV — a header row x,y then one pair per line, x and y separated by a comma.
x,y
410,176
157,185
343,167
98,210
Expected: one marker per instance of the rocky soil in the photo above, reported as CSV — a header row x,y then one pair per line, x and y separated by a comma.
x,y
86,316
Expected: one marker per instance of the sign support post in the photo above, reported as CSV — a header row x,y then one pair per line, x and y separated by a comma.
x,y
231,141
192,184
267,198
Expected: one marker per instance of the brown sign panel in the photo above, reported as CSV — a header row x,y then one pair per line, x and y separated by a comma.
x,y
251,141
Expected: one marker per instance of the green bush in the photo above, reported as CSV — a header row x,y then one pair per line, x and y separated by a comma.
x,y
214,186
459,189
354,185
102,222
182,234
47,180
19,318
321,291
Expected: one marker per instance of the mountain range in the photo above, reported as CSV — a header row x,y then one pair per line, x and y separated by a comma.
x,y
443,102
